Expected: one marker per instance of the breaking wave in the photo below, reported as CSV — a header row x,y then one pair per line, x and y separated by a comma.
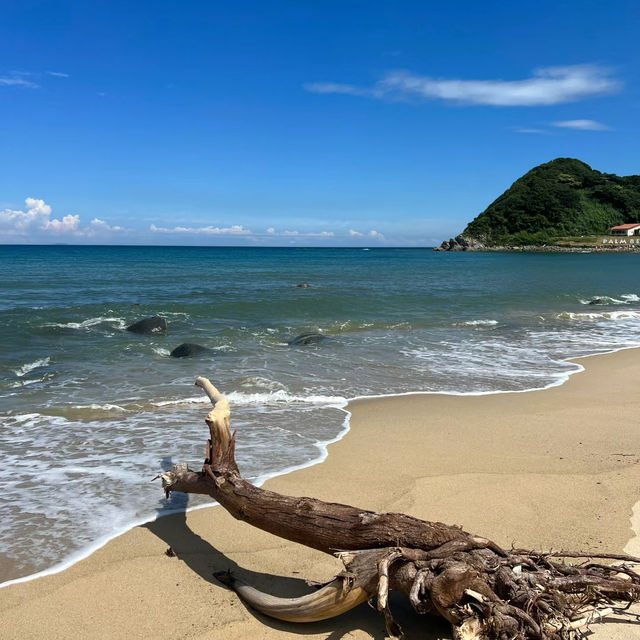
x,y
37,364
625,298
476,323
280,397
602,315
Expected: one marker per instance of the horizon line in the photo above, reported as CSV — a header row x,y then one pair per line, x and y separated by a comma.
x,y
207,246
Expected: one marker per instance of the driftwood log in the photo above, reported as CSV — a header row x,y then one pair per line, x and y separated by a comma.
x,y
484,591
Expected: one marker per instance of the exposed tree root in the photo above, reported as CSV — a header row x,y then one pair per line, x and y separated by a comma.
x,y
484,591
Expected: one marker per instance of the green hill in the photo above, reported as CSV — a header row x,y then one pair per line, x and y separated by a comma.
x,y
564,197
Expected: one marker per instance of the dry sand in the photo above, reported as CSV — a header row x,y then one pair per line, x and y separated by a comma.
x,y
556,468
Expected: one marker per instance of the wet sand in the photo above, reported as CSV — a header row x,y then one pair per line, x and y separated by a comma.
x,y
556,468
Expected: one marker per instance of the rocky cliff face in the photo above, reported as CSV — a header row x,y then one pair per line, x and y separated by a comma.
x,y
461,243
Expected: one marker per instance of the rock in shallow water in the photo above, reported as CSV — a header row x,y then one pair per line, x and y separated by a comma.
x,y
154,324
188,349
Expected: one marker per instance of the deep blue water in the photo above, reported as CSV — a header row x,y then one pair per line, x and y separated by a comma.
x,y
89,412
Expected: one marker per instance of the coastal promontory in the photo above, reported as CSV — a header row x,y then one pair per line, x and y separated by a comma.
x,y
563,205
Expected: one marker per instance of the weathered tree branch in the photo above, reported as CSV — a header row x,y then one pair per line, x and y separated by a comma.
x,y
314,523
485,592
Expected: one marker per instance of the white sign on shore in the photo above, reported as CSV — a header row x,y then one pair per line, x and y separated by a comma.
x,y
621,240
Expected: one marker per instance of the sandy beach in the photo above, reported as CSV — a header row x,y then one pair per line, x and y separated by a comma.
x,y
556,468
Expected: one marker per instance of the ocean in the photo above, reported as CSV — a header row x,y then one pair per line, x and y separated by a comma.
x,y
90,413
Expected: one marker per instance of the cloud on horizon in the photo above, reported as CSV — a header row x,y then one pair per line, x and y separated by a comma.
x,y
371,234
36,222
546,86
239,230
236,229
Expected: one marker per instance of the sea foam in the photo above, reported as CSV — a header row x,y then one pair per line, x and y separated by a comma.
x,y
88,323
603,315
476,323
279,397
37,364
625,298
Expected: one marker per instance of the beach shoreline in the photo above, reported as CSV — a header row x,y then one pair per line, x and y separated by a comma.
x,y
87,551
537,468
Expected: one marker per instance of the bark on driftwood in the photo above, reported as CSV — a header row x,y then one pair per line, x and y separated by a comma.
x,y
484,591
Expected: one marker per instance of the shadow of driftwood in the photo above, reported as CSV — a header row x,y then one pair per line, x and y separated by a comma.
x,y
205,560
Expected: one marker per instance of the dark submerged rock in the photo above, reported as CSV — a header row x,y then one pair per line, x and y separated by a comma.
x,y
303,285
307,338
187,350
154,324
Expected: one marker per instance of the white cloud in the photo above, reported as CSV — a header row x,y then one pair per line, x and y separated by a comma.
x,y
18,79
66,225
239,230
35,222
546,86
26,79
236,229
371,234
18,222
98,225
524,130
300,234
582,125
336,87
38,206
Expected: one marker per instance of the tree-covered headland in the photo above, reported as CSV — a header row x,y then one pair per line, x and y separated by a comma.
x,y
564,197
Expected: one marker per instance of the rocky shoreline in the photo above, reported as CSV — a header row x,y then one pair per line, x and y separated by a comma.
x,y
462,243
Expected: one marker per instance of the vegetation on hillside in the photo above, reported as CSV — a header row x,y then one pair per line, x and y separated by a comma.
x,y
564,197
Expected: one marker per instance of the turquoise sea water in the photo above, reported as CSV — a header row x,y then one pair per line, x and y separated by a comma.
x,y
89,412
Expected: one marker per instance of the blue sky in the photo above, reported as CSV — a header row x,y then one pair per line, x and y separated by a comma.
x,y
300,123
